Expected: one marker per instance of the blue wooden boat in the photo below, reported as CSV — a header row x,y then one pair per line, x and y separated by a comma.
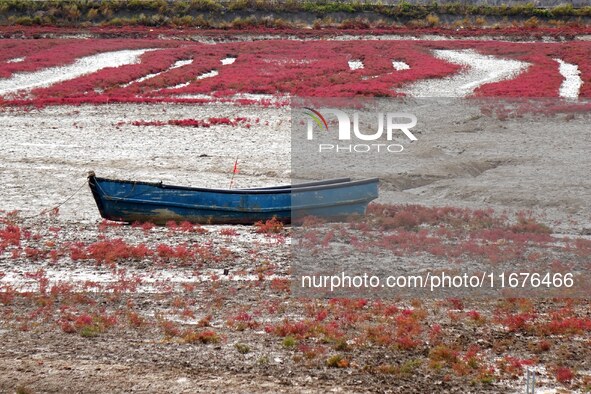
x,y
134,201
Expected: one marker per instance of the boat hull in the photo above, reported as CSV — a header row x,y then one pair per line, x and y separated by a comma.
x,y
129,201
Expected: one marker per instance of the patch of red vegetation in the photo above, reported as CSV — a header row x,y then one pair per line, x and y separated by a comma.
x,y
205,337
567,325
10,235
271,226
87,325
564,374
448,339
452,233
278,68
40,54
184,227
195,122
514,365
112,250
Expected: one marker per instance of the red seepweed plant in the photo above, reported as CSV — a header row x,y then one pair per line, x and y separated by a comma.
x,y
274,67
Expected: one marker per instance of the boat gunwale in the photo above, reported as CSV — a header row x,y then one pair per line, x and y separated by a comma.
x,y
300,185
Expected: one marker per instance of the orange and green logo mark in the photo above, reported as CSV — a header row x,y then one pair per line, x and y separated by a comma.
x,y
317,117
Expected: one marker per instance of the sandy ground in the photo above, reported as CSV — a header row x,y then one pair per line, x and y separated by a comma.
x,y
462,159
465,158
177,64
478,70
571,85
45,155
50,161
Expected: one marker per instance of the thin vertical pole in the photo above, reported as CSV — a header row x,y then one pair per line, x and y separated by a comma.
x,y
234,171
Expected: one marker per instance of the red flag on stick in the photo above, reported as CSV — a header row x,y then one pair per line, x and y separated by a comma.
x,y
234,172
